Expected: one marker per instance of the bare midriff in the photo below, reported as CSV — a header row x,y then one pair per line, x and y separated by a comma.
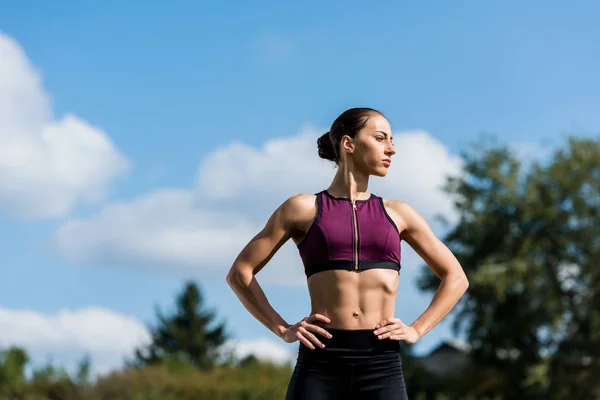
x,y
354,299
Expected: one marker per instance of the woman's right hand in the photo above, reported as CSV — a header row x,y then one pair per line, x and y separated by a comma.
x,y
303,331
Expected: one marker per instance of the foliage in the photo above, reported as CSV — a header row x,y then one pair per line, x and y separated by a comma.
x,y
185,336
12,372
529,241
250,379
253,382
256,380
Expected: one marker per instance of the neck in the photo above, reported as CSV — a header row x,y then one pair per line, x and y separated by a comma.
x,y
349,183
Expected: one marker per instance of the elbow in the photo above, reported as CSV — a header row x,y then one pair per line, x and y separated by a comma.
x,y
465,284
237,276
459,281
232,277
462,282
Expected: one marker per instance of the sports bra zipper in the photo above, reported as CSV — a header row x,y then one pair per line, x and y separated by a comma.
x,y
355,219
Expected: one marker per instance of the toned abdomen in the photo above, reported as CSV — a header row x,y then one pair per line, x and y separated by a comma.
x,y
354,299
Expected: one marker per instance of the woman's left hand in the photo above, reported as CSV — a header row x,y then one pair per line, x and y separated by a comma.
x,y
395,329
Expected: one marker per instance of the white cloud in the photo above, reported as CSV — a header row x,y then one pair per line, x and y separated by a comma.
x,y
421,165
289,165
237,187
162,229
109,337
262,178
66,336
263,349
47,164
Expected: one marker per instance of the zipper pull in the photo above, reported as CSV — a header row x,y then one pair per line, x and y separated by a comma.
x,y
353,205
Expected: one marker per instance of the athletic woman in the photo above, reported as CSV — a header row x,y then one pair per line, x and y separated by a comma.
x,y
349,241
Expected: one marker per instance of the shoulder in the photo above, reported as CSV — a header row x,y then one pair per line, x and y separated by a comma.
x,y
405,216
292,212
299,207
299,202
400,207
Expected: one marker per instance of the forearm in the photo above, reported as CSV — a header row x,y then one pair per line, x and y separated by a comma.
x,y
251,295
451,289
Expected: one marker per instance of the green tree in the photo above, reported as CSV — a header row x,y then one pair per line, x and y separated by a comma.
x,y
84,370
51,381
528,237
187,335
12,371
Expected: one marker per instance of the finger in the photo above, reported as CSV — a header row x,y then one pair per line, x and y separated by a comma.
x,y
395,334
389,321
304,340
388,328
384,322
384,329
310,336
318,329
307,343
319,317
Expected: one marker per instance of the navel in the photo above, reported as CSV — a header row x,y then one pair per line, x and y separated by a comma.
x,y
355,314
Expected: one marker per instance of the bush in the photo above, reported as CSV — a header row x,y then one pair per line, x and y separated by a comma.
x,y
255,381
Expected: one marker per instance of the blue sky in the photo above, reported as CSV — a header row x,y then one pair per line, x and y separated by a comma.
x,y
192,96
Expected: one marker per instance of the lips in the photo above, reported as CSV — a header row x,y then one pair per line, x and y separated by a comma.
x,y
387,162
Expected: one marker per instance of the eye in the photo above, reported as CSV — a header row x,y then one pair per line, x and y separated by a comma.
x,y
379,138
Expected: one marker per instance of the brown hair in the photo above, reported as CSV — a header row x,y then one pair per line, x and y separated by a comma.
x,y
350,122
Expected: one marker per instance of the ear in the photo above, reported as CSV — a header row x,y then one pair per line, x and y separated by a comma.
x,y
348,145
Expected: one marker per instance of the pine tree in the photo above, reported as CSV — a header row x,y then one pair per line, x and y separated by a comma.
x,y
186,335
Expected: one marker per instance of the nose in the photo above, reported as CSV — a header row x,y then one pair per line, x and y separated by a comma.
x,y
390,150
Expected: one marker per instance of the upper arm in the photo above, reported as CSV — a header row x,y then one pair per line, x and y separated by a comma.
x,y
418,234
278,229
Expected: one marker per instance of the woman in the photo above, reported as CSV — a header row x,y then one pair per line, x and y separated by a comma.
x,y
349,242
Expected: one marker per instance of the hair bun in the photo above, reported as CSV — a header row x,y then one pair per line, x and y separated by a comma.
x,y
325,147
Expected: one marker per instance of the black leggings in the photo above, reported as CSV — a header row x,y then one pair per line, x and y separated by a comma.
x,y
353,365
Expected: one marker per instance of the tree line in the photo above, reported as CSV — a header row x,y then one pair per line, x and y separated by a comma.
x,y
528,236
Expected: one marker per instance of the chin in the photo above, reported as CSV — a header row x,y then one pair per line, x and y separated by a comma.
x,y
380,172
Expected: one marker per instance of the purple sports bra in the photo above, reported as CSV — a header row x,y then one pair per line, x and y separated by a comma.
x,y
350,236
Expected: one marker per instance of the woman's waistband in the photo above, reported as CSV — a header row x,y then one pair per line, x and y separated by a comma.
x,y
352,342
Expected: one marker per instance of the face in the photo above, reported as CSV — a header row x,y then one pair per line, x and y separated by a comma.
x,y
372,149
